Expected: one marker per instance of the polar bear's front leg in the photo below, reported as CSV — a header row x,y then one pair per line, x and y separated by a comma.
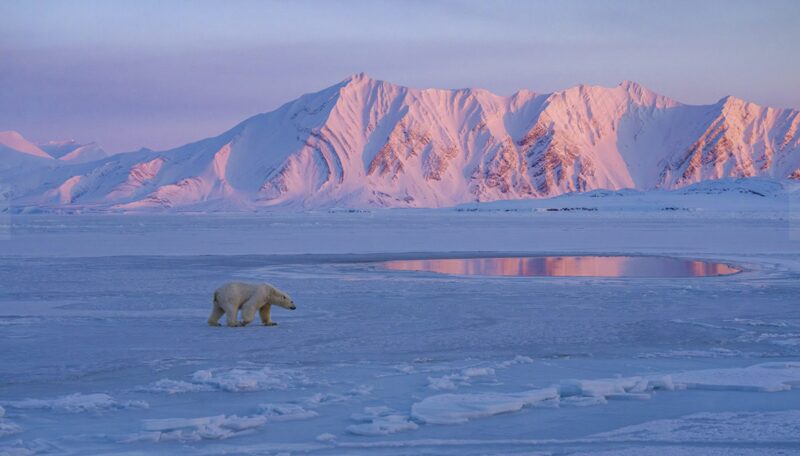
x,y
265,317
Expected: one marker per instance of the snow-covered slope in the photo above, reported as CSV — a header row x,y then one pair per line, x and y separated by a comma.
x,y
13,141
22,166
364,142
74,152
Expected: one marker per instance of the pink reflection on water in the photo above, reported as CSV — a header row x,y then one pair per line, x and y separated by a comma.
x,y
567,266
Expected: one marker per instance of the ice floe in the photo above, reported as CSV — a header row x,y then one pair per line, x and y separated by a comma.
x,y
757,322
241,379
169,386
232,380
220,427
781,339
767,377
728,427
519,359
325,437
380,420
8,428
453,381
30,447
191,429
459,408
286,412
76,403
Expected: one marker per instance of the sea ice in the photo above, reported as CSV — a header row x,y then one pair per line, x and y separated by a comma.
x,y
453,381
250,379
76,403
460,408
191,429
380,421
286,412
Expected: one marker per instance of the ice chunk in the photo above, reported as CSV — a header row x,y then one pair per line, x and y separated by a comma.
x,y
318,399
380,421
240,379
286,412
519,359
8,428
362,390
453,381
384,425
612,388
477,372
232,380
460,408
233,422
192,429
441,383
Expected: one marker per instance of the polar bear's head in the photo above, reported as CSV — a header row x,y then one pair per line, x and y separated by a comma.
x,y
279,298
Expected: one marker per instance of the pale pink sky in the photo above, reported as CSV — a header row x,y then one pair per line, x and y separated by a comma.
x,y
159,74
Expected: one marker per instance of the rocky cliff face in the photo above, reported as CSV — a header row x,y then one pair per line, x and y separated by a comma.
x,y
365,142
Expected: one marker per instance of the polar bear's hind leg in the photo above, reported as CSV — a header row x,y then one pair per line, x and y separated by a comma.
x,y
230,317
216,312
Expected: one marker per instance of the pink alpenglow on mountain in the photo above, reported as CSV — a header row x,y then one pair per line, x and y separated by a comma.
x,y
370,143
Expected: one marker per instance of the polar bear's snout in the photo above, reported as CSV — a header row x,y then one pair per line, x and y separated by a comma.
x,y
282,299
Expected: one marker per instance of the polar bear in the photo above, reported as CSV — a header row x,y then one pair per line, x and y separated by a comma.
x,y
251,298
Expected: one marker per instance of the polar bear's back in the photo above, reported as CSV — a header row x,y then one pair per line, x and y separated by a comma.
x,y
235,292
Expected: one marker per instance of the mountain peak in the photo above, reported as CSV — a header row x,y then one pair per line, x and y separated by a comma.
x,y
70,150
358,78
730,100
634,88
630,85
13,140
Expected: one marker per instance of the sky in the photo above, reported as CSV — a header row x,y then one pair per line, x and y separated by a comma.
x,y
159,74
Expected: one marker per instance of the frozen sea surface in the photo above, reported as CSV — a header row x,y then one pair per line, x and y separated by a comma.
x,y
105,349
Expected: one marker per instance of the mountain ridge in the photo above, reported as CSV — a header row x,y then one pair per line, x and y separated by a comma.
x,y
368,143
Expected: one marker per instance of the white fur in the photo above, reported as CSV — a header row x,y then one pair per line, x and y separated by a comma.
x,y
251,299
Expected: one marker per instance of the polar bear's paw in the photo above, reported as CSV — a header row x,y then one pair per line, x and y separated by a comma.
x,y
270,323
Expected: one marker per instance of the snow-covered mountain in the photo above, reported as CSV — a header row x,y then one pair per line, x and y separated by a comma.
x,y
74,152
365,143
18,158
